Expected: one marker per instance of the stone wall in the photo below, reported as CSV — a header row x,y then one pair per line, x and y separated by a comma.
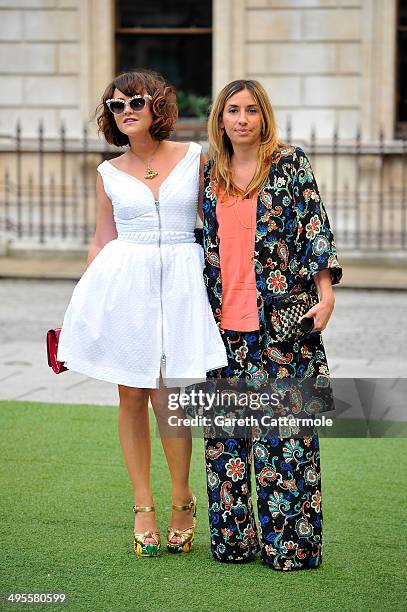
x,y
323,62
39,64
53,63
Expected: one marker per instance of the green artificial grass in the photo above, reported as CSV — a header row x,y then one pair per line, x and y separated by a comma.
x,y
66,524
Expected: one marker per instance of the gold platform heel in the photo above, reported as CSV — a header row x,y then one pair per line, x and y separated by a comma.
x,y
187,536
141,547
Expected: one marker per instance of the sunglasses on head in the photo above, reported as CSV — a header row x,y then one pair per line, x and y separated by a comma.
x,y
117,106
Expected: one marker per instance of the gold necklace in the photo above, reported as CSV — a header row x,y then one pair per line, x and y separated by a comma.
x,y
150,172
249,227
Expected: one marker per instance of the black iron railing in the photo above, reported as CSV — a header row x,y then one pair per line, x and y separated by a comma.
x,y
47,187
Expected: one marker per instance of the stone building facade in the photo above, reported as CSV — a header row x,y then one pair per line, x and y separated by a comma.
x,y
55,58
325,64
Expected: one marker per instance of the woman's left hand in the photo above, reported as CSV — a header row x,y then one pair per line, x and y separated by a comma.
x,y
323,310
321,313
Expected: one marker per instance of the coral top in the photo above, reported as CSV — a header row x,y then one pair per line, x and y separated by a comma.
x,y
237,229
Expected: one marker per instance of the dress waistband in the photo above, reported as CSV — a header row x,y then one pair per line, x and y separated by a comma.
x,y
166,237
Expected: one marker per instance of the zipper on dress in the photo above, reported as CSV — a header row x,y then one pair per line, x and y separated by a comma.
x,y
163,356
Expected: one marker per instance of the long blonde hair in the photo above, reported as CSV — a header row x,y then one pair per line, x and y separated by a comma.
x,y
220,147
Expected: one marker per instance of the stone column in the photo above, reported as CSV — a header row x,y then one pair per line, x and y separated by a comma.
x,y
229,38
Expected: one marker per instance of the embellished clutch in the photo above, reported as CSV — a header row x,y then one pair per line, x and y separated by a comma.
x,y
286,311
52,351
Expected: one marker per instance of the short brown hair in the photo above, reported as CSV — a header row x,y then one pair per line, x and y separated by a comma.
x,y
163,104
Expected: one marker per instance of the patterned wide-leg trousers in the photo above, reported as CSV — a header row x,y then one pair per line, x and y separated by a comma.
x,y
288,486
287,475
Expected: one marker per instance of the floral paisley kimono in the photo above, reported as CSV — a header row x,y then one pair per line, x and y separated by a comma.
x,y
293,241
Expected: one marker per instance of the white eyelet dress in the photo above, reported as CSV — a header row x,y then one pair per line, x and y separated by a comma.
x,y
141,307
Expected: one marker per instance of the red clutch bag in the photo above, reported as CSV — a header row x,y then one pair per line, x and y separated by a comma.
x,y
52,351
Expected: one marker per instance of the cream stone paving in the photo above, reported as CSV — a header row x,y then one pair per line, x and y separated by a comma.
x,y
366,339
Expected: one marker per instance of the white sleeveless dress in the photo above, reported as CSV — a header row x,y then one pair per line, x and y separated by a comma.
x,y
141,307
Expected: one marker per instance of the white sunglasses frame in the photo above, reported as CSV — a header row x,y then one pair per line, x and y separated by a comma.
x,y
126,103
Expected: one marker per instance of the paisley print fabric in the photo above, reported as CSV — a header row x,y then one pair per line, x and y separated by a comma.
x,y
287,473
288,501
294,241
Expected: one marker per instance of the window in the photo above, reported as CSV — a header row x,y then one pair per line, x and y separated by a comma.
x,y
173,37
402,68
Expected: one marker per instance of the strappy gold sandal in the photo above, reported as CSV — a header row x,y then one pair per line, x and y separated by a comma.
x,y
187,536
141,547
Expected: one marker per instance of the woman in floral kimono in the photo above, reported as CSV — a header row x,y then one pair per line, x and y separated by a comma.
x,y
265,234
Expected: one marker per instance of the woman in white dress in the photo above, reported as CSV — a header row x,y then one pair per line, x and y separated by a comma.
x,y
139,316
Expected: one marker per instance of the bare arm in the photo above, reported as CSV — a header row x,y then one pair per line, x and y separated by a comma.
x,y
323,310
323,282
105,225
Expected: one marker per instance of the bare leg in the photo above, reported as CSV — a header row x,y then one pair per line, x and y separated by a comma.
x,y
177,445
134,434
